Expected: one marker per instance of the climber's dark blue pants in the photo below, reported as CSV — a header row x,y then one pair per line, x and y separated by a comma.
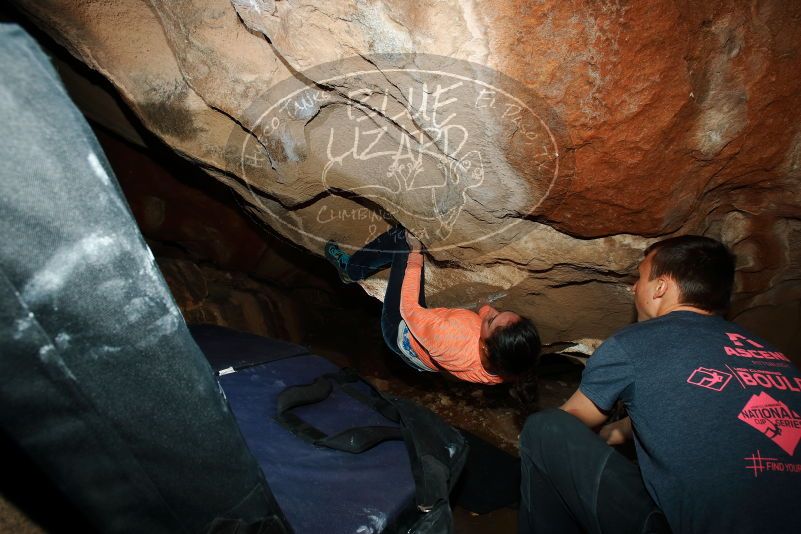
x,y
390,248
573,482
101,384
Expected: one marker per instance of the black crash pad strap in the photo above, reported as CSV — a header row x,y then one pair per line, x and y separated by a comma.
x,y
437,452
347,376
362,438
353,440
295,396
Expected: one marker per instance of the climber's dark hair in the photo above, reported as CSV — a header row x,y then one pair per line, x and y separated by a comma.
x,y
702,267
514,349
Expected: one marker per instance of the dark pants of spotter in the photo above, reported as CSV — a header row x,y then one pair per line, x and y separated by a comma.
x,y
101,385
572,481
390,248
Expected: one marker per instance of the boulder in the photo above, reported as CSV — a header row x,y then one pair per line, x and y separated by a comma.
x,y
536,148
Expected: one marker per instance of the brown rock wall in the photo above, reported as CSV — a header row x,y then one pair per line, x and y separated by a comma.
x,y
627,121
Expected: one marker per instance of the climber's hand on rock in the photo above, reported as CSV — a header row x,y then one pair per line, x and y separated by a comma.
x,y
414,244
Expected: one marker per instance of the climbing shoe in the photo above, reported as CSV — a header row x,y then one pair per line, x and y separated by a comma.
x,y
339,259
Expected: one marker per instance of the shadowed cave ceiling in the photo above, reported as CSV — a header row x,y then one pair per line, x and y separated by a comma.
x,y
536,148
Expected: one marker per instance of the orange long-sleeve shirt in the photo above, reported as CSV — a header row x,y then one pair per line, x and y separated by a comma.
x,y
443,338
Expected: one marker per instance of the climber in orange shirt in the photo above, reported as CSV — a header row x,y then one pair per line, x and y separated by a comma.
x,y
488,347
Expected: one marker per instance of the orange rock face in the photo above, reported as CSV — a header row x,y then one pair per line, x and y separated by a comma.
x,y
535,147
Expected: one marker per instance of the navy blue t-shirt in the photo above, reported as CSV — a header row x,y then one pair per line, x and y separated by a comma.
x,y
715,412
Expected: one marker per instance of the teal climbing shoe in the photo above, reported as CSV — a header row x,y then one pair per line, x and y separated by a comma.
x,y
339,259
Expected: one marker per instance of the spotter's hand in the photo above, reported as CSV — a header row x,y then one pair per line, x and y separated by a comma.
x,y
616,433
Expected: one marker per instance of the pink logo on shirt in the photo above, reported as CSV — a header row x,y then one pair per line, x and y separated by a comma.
x,y
774,419
709,378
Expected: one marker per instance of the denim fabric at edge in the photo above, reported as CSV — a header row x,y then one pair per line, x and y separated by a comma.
x,y
100,381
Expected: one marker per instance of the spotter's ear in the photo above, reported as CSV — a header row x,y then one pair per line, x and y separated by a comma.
x,y
662,286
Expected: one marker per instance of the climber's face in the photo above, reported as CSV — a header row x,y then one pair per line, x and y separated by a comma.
x,y
494,319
